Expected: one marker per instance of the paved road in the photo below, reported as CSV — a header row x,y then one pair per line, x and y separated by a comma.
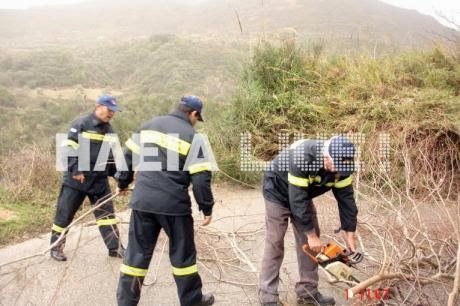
x,y
90,277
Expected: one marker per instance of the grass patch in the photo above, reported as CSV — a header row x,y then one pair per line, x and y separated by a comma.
x,y
22,222
28,193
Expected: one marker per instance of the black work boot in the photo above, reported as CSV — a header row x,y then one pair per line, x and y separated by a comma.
x,y
206,299
58,254
316,299
118,253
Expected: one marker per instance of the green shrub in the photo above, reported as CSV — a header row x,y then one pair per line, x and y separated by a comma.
x,y
6,98
287,89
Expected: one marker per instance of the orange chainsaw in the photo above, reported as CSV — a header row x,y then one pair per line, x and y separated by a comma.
x,y
336,261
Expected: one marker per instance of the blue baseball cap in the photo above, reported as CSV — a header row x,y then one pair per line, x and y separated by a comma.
x,y
193,102
110,102
342,152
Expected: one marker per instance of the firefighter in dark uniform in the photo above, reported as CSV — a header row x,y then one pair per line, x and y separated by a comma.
x,y
78,184
305,170
160,200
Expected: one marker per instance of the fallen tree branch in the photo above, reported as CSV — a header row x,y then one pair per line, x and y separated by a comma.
x,y
371,281
241,255
453,295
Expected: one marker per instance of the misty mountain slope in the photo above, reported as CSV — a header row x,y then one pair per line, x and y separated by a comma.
x,y
370,19
103,20
162,64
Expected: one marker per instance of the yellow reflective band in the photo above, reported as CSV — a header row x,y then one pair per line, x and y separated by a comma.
x,y
166,141
104,222
298,181
185,271
71,143
92,136
199,168
343,183
315,179
57,228
130,144
98,137
128,270
330,184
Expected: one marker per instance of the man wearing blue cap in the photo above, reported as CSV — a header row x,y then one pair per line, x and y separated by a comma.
x,y
160,200
307,169
77,185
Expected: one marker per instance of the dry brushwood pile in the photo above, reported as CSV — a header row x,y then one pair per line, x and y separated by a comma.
x,y
410,241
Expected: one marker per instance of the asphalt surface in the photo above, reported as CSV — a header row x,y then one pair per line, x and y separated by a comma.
x,y
90,277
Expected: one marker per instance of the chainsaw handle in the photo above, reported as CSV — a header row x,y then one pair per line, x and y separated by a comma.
x,y
306,250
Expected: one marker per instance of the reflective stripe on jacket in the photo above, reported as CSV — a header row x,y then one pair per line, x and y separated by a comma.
x,y
166,192
297,175
91,128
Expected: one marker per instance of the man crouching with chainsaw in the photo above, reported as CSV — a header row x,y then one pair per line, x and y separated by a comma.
x,y
305,170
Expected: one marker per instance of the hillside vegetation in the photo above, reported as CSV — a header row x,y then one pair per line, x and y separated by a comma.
x,y
414,97
46,89
160,63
